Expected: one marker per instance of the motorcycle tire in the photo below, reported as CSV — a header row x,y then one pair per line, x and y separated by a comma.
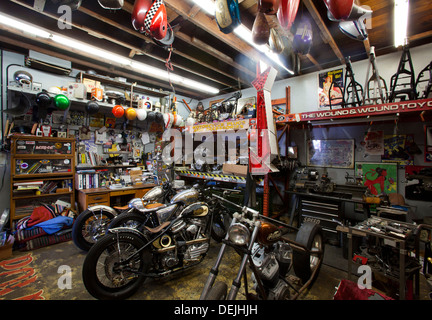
x,y
101,274
89,226
128,219
311,236
217,292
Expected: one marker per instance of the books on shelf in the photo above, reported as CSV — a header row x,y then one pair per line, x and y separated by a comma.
x,y
88,179
90,158
29,188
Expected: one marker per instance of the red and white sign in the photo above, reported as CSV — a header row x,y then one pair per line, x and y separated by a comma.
x,y
363,111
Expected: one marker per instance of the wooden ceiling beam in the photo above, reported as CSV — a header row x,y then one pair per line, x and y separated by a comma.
x,y
325,33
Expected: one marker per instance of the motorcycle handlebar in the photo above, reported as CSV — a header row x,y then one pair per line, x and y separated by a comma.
x,y
236,205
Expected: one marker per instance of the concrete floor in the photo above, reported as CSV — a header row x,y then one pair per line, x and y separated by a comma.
x,y
36,274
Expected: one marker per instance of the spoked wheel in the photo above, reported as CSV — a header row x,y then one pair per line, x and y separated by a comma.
x,y
307,264
217,292
106,276
90,226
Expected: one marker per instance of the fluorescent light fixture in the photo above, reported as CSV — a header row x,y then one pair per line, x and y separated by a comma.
x,y
401,9
207,5
23,26
107,56
94,51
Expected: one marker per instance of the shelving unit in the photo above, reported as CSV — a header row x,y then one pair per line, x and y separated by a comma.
x,y
47,164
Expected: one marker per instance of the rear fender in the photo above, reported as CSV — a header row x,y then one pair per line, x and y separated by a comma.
x,y
97,209
129,230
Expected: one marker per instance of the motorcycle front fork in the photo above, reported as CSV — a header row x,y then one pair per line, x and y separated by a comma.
x,y
235,287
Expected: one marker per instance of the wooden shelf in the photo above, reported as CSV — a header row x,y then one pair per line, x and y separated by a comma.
x,y
31,149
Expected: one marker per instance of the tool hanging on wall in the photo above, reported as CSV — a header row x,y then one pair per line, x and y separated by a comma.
x,y
424,76
353,91
400,87
375,86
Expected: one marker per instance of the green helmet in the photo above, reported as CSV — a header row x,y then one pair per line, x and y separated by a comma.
x,y
61,102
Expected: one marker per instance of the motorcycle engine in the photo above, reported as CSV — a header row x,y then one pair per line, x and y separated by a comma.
x,y
270,269
188,243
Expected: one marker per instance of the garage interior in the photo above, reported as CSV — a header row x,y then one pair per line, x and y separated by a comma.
x,y
92,89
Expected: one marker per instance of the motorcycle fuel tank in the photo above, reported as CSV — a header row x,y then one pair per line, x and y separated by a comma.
x,y
186,197
268,233
153,194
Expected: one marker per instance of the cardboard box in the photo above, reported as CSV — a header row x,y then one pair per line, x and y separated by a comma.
x,y
235,169
6,250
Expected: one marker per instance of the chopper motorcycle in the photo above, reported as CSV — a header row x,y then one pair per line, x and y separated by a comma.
x,y
93,222
221,214
262,244
120,261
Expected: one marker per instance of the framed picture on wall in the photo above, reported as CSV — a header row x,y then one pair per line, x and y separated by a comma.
x,y
380,178
337,153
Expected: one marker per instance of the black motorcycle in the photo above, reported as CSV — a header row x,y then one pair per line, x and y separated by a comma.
x,y
93,222
263,244
118,263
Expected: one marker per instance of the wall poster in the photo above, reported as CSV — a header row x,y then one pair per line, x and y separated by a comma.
x,y
326,90
331,153
380,178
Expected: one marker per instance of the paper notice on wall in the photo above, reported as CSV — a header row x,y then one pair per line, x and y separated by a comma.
x,y
374,143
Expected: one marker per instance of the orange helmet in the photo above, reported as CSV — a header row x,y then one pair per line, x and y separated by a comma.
x,y
131,113
118,111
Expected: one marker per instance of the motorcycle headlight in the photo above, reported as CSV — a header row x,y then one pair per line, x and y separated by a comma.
x,y
239,234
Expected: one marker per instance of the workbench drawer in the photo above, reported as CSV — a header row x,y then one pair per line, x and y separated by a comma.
x,y
98,198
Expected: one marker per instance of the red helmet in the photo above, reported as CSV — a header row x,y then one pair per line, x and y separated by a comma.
x,y
150,17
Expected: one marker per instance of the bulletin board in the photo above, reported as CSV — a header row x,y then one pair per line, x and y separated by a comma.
x,y
331,153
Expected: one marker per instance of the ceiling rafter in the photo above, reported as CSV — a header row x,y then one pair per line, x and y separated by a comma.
x,y
325,33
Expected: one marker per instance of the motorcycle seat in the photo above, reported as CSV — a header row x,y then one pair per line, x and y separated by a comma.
x,y
158,228
153,205
121,208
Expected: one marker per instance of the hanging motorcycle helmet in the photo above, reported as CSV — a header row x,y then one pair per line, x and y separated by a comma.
x,y
111,4
268,6
150,17
23,77
287,13
302,41
74,4
61,102
151,116
159,117
168,120
43,99
227,15
118,111
141,114
92,107
260,29
131,113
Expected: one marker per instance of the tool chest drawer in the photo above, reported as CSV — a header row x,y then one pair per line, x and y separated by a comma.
x,y
327,214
